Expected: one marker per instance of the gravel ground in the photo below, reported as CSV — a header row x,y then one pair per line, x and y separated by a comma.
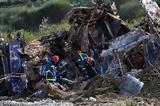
x,y
47,102
98,101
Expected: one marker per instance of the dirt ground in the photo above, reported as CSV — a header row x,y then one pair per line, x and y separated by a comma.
x,y
99,100
103,92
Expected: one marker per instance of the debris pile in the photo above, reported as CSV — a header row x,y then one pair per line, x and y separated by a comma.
x,y
98,55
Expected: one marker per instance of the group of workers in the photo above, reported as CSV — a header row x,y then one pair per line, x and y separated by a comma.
x,y
54,68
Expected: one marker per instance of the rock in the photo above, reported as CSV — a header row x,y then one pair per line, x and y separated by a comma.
x,y
92,99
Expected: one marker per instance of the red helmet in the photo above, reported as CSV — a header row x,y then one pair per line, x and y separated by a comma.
x,y
55,58
90,60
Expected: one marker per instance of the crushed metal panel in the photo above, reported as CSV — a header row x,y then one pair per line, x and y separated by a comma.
x,y
126,42
114,55
17,81
152,9
130,86
6,65
115,66
152,50
94,22
15,61
18,85
115,24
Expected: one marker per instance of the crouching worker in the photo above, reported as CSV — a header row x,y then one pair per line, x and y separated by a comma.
x,y
48,71
61,71
53,70
85,64
49,85
90,66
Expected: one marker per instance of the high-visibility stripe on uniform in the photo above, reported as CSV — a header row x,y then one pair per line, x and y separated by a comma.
x,y
81,56
49,79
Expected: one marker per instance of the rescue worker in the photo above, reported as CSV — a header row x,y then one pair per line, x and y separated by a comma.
x,y
85,64
90,67
55,60
60,70
48,71
59,64
53,70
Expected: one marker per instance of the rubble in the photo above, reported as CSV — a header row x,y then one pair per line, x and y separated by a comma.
x,y
94,27
127,61
152,10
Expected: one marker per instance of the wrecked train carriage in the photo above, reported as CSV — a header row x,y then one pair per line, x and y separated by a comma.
x,y
152,45
134,50
94,27
153,12
13,78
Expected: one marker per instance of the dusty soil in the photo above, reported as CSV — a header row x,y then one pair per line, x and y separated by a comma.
x,y
99,91
99,100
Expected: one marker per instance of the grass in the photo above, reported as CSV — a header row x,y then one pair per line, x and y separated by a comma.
x,y
133,23
29,35
26,16
29,17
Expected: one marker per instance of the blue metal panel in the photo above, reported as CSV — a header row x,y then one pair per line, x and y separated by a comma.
x,y
120,45
125,42
130,86
5,65
113,67
18,84
15,68
152,50
14,58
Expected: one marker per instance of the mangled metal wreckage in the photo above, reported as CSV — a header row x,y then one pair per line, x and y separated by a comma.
x,y
13,78
97,32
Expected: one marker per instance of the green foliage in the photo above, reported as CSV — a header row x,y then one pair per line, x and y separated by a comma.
x,y
52,28
29,36
46,31
129,9
133,23
29,15
158,2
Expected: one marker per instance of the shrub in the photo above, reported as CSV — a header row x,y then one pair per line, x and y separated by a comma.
x,y
29,17
135,22
29,36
